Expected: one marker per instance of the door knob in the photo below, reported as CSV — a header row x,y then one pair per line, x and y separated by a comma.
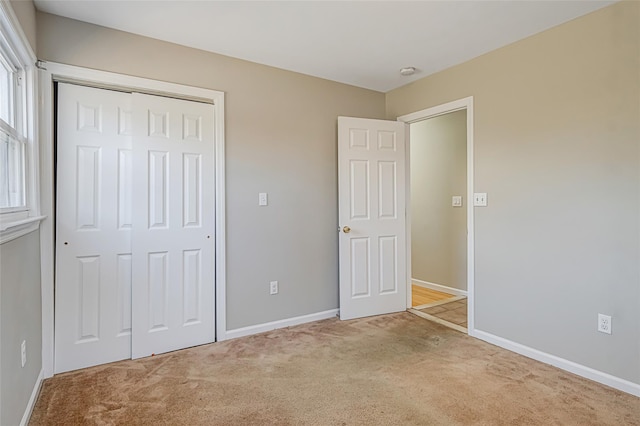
x,y
346,229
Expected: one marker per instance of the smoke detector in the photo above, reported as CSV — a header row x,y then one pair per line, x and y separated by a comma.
x,y
406,71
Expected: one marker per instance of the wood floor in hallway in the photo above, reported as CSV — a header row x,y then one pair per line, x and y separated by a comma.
x,y
422,295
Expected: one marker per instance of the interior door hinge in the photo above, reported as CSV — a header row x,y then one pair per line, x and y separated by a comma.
x,y
41,65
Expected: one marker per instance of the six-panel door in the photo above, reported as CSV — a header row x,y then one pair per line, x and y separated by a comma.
x,y
371,179
173,295
93,227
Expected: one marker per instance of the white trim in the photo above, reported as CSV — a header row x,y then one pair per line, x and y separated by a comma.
x,y
564,364
274,325
32,400
407,211
27,124
57,72
465,103
16,229
17,38
12,132
47,227
435,111
220,232
32,184
104,79
438,287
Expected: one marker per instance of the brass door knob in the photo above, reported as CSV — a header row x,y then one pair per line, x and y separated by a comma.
x,y
346,229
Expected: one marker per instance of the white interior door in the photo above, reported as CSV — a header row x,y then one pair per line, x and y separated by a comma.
x,y
173,295
371,184
93,228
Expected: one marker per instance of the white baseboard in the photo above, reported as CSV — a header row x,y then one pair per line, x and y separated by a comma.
x,y
32,400
273,325
570,366
439,287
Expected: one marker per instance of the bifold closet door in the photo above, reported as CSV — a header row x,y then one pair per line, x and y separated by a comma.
x,y
93,227
134,226
173,216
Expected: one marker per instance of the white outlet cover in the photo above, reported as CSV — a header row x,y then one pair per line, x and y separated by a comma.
x,y
480,199
456,201
263,199
604,323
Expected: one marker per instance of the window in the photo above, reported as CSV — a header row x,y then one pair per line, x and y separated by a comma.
x,y
12,172
12,139
7,78
18,162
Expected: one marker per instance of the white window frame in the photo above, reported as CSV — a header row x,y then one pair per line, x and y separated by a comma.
x,y
15,222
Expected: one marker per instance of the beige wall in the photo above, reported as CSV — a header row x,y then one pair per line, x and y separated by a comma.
x,y
557,133
438,172
280,139
25,11
20,319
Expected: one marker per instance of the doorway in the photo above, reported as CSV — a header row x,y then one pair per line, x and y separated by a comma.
x,y
440,219
134,250
438,225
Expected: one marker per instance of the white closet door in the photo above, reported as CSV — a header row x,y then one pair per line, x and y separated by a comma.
x,y
93,227
173,216
134,236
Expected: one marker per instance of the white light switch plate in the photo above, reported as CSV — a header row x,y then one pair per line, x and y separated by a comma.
x,y
262,199
456,201
480,199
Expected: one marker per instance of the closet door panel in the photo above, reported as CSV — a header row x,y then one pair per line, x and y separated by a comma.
x,y
93,228
173,217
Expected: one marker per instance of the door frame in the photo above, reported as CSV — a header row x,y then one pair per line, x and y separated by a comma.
x,y
425,114
51,72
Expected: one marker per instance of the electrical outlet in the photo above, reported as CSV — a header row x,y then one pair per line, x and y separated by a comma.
x,y
604,323
23,352
480,199
273,287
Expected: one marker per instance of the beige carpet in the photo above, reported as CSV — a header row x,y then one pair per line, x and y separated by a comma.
x,y
389,370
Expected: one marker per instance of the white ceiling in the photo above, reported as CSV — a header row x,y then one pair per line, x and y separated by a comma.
x,y
363,43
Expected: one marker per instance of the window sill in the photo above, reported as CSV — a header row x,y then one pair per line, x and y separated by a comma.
x,y
17,228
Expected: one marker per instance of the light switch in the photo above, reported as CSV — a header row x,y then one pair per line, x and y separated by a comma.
x,y
456,201
262,199
480,199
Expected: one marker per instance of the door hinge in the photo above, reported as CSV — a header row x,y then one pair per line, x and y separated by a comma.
x,y
41,65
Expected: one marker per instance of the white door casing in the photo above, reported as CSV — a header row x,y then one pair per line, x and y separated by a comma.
x,y
93,240
173,215
466,104
371,182
56,72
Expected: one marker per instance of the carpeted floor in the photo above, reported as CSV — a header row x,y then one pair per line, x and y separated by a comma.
x,y
389,370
